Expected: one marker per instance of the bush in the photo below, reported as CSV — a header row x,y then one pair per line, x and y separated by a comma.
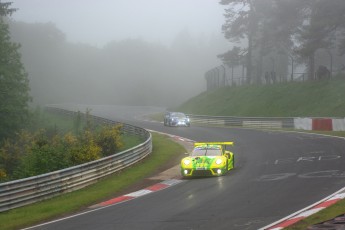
x,y
41,154
85,150
11,152
31,154
109,139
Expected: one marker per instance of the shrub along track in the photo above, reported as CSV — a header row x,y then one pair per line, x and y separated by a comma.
x,y
166,154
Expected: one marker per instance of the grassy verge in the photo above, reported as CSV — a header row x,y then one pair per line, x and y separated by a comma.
x,y
331,133
157,117
326,214
130,141
164,152
293,99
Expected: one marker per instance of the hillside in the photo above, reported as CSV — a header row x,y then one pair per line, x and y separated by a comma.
x,y
293,99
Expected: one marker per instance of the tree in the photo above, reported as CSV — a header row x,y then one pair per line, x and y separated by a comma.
x,y
231,58
268,25
14,84
5,9
282,27
321,25
241,23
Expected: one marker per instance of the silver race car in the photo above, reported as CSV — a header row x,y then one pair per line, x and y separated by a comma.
x,y
176,119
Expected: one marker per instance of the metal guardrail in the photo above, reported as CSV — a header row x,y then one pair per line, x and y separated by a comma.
x,y
26,191
250,122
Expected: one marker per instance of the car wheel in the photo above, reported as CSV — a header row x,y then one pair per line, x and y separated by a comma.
x,y
230,165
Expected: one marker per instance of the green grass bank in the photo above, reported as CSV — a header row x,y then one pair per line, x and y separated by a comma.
x,y
292,99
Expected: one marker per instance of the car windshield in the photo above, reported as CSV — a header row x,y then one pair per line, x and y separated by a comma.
x,y
207,151
178,115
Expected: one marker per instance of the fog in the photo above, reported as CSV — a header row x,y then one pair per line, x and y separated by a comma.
x,y
135,52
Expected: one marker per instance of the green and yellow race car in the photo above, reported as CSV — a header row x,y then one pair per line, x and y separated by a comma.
x,y
208,159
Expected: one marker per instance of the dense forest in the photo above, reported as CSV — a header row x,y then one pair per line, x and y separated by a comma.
x,y
132,71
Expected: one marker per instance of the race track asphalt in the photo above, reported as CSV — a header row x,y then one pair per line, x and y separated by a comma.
x,y
276,174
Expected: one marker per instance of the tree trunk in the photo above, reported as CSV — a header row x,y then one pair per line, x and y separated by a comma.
x,y
249,61
250,45
260,63
311,67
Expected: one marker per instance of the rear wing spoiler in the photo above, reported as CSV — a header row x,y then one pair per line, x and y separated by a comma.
x,y
213,143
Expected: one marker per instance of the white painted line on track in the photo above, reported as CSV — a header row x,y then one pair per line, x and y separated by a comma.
x,y
118,200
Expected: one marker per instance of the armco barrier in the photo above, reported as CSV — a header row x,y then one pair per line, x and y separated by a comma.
x,y
338,124
18,193
250,122
303,123
324,124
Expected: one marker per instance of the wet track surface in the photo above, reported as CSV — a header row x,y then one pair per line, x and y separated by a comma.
x,y
276,174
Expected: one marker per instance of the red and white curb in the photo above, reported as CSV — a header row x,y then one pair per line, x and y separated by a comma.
x,y
130,196
312,209
173,136
148,190
145,191
154,188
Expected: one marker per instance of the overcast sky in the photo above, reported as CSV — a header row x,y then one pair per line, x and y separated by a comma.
x,y
98,22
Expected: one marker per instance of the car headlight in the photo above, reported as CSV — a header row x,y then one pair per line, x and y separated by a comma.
x,y
186,161
219,161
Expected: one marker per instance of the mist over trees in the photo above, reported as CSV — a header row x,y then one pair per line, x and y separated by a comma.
x,y
296,28
14,84
132,71
137,72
